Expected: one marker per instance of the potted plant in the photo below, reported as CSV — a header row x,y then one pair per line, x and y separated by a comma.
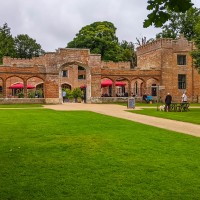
x,y
20,94
77,93
69,96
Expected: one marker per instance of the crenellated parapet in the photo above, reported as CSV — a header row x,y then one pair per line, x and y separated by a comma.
x,y
179,44
22,61
115,65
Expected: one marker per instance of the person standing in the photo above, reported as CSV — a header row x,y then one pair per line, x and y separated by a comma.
x,y
64,95
168,101
184,97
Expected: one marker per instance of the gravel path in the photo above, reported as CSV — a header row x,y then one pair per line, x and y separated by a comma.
x,y
120,112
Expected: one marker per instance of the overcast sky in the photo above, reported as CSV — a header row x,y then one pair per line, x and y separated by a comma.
x,y
54,23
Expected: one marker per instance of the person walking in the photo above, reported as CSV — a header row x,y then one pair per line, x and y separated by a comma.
x,y
168,101
184,97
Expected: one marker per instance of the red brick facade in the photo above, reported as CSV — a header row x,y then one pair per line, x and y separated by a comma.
x,y
157,65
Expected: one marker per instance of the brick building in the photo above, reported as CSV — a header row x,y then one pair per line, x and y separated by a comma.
x,y
164,62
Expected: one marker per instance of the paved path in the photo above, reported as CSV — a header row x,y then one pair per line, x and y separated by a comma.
x,y
120,112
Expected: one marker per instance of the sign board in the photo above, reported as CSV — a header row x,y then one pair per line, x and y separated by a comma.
x,y
161,87
131,103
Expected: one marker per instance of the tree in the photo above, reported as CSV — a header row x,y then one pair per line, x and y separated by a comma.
x,y
27,47
6,42
161,10
196,53
100,38
187,23
142,41
128,52
184,23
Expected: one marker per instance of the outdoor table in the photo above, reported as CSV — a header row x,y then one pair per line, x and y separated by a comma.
x,y
180,106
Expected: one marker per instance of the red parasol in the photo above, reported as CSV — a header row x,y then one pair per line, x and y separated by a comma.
x,y
107,83
21,86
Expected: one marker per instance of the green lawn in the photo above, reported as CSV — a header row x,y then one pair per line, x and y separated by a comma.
x,y
190,116
56,155
138,104
20,105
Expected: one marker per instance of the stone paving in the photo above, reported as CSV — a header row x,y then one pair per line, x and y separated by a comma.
x,y
121,112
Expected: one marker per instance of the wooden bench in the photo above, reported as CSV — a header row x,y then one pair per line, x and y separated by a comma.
x,y
180,107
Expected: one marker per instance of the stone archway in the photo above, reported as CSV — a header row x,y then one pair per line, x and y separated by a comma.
x,y
137,87
77,75
14,92
39,89
151,86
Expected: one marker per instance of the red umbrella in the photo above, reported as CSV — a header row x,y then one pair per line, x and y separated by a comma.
x,y
106,83
83,86
118,83
21,86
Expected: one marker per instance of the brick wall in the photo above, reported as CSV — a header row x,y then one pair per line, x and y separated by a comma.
x,y
157,65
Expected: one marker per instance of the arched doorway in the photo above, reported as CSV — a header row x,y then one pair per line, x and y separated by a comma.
x,y
38,90
14,87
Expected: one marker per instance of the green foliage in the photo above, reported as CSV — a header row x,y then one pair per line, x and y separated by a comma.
x,y
21,46
31,94
128,52
68,93
6,42
20,94
161,10
187,23
196,53
100,38
77,92
27,47
181,23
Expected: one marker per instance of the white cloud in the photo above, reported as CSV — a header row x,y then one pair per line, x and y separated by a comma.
x,y
54,23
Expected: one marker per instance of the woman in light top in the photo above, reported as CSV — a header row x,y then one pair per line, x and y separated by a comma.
x,y
184,97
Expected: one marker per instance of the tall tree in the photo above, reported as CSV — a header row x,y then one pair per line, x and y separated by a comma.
x,y
196,53
128,52
27,47
6,42
100,38
184,23
187,23
161,8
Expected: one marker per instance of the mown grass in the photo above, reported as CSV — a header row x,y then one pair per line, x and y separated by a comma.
x,y
140,104
20,105
82,155
191,116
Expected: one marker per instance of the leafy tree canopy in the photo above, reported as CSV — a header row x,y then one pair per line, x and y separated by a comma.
x,y
187,23
100,38
21,46
27,47
6,42
196,53
161,8
184,23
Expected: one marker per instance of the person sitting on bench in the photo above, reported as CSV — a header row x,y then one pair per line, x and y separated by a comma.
x,y
149,99
144,98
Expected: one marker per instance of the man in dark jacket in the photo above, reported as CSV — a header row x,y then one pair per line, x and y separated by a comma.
x,y
168,101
